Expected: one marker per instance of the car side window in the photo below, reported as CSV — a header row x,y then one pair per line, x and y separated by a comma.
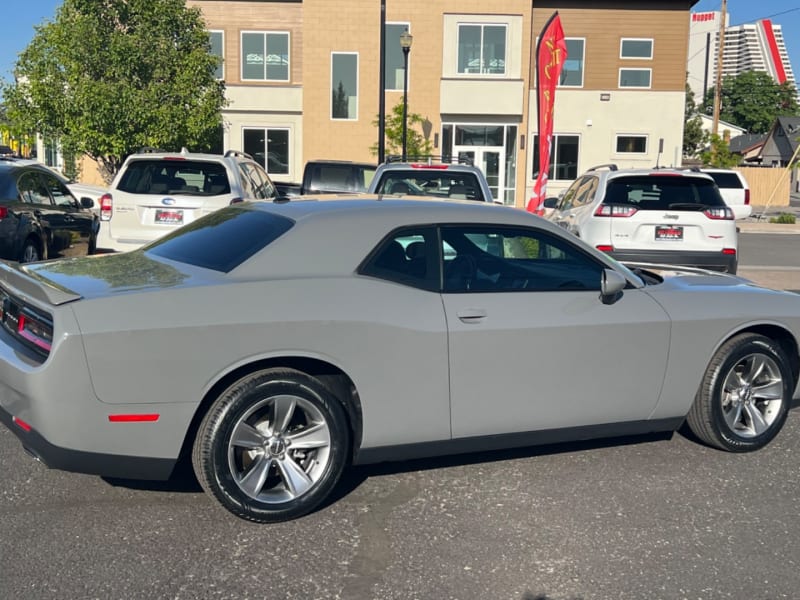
x,y
264,188
568,198
407,256
510,259
59,192
586,191
248,185
31,189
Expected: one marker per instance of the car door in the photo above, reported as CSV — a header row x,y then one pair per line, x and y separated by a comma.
x,y
531,345
76,226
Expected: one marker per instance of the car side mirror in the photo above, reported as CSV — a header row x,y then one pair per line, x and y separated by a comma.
x,y
87,202
550,202
611,286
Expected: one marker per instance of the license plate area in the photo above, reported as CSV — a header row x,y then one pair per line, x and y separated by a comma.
x,y
669,233
169,217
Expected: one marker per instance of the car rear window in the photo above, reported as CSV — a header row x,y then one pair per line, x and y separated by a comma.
x,y
223,239
727,180
165,176
663,192
434,182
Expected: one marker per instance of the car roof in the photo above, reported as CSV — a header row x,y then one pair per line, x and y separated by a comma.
x,y
655,172
354,224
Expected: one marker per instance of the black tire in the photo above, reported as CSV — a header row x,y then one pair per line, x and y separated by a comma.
x,y
271,472
745,395
30,251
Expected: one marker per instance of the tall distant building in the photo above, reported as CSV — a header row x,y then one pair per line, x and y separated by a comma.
x,y
755,46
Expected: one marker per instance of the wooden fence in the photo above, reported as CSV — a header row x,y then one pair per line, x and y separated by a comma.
x,y
768,186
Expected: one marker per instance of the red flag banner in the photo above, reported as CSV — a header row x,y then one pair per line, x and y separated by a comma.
x,y
551,52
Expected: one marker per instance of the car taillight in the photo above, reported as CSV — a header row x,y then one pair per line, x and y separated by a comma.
x,y
719,213
3,212
35,330
615,210
729,251
605,248
427,166
747,196
106,204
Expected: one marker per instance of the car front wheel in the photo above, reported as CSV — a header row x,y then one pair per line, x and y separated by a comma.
x,y
744,398
272,446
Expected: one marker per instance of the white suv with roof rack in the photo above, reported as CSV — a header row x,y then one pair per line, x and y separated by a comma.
x,y
431,176
156,192
667,216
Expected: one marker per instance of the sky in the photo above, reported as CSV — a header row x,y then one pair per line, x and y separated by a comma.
x,y
19,19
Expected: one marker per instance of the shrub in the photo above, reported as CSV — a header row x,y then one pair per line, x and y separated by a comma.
x,y
783,218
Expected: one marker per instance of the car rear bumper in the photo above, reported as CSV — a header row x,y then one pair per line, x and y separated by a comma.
x,y
93,463
713,261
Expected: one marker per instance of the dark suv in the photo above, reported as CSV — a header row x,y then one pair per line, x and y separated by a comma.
x,y
39,217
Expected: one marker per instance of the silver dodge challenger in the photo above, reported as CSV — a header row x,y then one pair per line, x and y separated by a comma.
x,y
273,344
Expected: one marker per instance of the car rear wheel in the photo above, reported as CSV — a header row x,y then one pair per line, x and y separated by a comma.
x,y
30,252
744,398
272,446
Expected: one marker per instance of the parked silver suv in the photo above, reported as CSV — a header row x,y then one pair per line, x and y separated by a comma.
x,y
667,216
156,192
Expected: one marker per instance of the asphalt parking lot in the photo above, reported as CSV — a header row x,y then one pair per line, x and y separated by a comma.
x,y
629,518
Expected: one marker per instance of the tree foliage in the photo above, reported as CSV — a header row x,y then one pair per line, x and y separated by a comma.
x,y
719,154
107,77
694,136
416,142
753,100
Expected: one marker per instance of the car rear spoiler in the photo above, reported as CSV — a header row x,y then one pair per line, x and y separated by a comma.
x,y
24,284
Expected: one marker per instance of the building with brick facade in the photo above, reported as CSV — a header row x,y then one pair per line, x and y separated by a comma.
x,y
303,82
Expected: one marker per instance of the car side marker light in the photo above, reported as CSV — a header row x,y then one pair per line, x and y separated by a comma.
x,y
134,418
21,424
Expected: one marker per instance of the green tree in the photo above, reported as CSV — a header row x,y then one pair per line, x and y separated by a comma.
x,y
719,154
694,136
108,77
416,145
752,100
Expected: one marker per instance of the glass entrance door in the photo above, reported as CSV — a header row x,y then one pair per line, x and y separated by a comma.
x,y
488,160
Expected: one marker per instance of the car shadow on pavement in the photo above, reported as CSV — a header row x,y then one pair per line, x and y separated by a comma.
x,y
182,481
355,476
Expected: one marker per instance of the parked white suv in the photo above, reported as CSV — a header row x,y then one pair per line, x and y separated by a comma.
x,y
666,216
156,192
734,189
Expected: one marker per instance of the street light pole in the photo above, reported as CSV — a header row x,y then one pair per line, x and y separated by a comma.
x,y
405,44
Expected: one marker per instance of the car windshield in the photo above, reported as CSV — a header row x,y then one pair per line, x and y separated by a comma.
x,y
663,192
223,239
165,176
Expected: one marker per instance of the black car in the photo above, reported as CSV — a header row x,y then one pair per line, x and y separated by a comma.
x,y
39,216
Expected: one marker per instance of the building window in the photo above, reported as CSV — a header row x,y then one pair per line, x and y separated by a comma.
x,y
394,56
563,157
268,147
636,49
631,144
265,56
635,78
344,85
217,39
572,71
482,49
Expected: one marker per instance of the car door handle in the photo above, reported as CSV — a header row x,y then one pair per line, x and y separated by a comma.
x,y
472,315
